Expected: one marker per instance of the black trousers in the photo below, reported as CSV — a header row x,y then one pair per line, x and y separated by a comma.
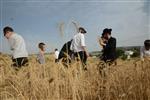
x,y
18,62
108,57
82,55
56,60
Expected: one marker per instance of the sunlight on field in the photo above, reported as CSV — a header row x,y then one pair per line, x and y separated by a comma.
x,y
129,80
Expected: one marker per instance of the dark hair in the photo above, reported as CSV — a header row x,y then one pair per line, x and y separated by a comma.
x,y
82,30
41,46
7,29
106,30
102,35
147,44
56,49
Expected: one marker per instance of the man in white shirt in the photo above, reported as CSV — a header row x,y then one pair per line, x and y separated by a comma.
x,y
18,47
145,50
78,46
56,55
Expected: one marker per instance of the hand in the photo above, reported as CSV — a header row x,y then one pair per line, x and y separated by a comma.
x,y
102,42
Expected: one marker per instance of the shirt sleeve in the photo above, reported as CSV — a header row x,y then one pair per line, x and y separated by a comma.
x,y
82,40
15,42
11,43
141,53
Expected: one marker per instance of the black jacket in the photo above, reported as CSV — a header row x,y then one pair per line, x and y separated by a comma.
x,y
110,50
65,49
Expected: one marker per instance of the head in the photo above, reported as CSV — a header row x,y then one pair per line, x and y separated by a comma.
x,y
106,33
147,44
8,31
103,36
82,30
41,46
56,49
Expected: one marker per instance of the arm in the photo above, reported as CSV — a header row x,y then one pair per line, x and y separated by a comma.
x,y
84,48
12,42
101,42
15,42
83,45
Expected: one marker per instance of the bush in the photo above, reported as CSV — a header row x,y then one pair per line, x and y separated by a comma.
x,y
120,53
136,53
124,57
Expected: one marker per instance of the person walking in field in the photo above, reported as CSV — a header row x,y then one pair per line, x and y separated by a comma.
x,y
56,55
40,56
78,46
18,47
65,54
109,48
65,51
145,50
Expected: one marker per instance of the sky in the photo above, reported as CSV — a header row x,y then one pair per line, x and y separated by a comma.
x,y
50,21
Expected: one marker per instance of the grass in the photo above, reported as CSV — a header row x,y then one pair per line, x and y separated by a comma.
x,y
129,80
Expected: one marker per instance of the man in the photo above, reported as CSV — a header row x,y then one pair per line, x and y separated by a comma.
x,y
66,52
109,52
78,46
18,47
145,50
56,55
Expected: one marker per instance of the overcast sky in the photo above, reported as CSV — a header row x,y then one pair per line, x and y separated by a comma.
x,y
40,21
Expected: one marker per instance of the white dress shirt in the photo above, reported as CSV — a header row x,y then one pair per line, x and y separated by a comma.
x,y
78,42
144,52
18,46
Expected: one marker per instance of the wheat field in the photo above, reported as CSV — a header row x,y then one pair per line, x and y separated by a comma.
x,y
128,80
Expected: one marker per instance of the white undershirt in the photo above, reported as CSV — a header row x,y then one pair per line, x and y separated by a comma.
x,y
18,46
144,52
78,42
56,54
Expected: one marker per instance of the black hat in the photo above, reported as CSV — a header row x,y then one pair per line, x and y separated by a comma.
x,y
82,30
106,30
147,43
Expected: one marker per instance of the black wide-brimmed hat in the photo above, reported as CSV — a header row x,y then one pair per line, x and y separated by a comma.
x,y
82,30
106,30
